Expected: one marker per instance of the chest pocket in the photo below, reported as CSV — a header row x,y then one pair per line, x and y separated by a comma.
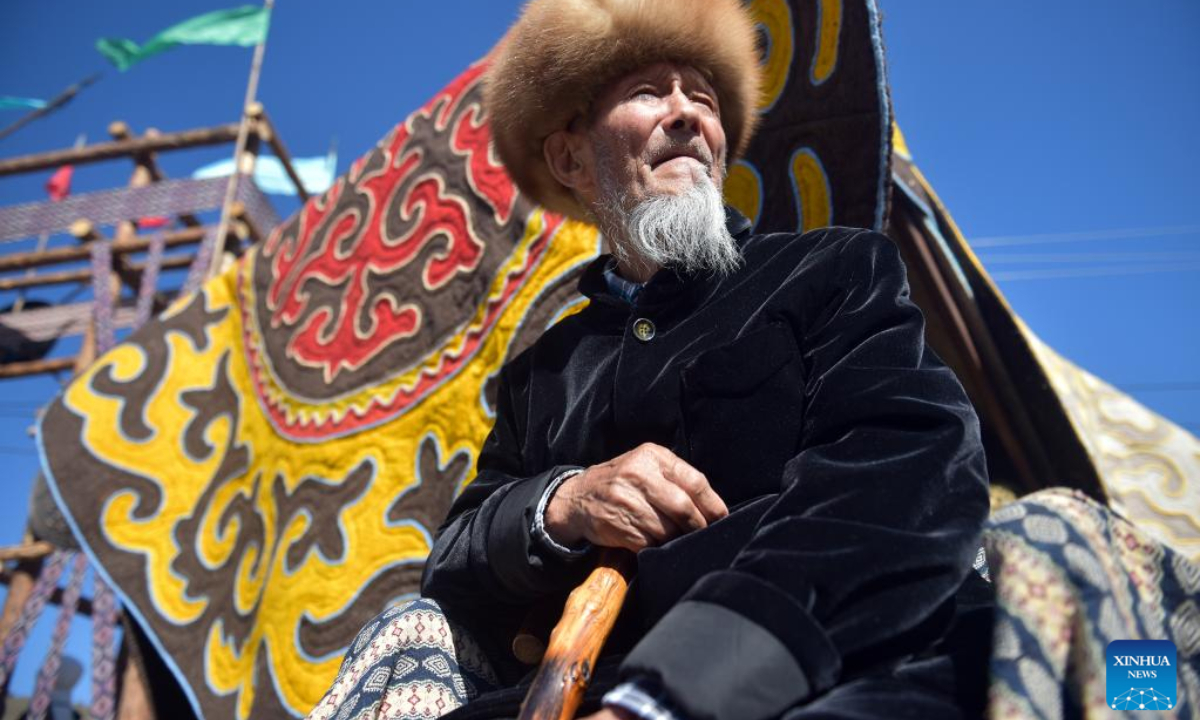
x,y
743,411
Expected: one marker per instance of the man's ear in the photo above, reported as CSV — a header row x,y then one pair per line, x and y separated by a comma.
x,y
564,153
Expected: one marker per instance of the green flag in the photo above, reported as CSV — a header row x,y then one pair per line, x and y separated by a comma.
x,y
8,102
245,26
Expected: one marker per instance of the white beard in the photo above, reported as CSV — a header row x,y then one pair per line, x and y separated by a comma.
x,y
685,232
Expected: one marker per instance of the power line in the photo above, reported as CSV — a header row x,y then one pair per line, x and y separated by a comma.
x,y
1089,257
1161,386
1083,236
1057,273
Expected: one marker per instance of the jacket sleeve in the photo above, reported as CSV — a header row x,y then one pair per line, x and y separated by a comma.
x,y
486,553
879,517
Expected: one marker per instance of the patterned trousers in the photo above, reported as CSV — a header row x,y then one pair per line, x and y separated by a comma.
x,y
409,662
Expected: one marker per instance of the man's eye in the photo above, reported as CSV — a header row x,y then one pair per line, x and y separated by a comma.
x,y
644,93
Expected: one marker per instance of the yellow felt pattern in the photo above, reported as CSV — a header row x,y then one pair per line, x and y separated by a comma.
x,y
743,190
775,20
828,36
275,598
814,202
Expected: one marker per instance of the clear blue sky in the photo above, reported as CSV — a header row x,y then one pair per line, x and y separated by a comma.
x,y
1069,119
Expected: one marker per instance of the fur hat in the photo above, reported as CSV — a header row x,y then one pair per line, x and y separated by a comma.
x,y
562,53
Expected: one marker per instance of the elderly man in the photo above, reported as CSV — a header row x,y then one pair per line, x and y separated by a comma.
x,y
757,416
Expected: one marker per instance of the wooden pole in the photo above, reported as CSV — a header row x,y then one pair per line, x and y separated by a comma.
x,y
120,131
26,551
267,129
120,148
35,367
123,272
19,303
587,619
88,350
20,583
67,277
135,701
62,99
43,240
245,226
248,160
54,256
238,149
142,176
9,578
20,586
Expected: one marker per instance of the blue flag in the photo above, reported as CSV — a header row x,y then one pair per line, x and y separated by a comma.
x,y
317,173
8,102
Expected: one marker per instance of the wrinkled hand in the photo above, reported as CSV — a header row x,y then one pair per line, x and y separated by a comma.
x,y
640,499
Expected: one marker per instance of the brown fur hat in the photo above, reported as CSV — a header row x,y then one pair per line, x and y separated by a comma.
x,y
562,53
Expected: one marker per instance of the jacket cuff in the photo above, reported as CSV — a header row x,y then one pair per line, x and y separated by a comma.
x,y
539,521
716,663
516,560
643,698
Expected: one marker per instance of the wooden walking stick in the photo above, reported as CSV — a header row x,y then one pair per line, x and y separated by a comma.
x,y
587,619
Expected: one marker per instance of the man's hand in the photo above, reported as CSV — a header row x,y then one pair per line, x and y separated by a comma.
x,y
642,498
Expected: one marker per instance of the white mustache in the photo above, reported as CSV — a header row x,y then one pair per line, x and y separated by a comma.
x,y
671,149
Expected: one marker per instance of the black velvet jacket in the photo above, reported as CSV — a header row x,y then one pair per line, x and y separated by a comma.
x,y
802,387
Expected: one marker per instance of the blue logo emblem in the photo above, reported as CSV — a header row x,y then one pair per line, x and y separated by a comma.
x,y
1141,675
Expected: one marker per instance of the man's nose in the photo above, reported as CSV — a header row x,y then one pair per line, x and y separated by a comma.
x,y
683,115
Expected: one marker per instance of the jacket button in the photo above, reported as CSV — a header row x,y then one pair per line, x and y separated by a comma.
x,y
643,329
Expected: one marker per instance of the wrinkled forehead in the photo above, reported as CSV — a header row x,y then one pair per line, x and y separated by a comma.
x,y
662,73
657,74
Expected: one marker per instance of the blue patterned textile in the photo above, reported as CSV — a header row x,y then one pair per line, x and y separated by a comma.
x,y
1071,576
409,662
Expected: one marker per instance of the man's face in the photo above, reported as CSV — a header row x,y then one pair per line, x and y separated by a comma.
x,y
654,131
650,165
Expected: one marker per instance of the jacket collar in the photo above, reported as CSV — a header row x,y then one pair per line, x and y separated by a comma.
x,y
667,285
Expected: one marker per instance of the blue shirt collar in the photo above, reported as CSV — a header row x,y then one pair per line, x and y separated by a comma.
x,y
627,290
